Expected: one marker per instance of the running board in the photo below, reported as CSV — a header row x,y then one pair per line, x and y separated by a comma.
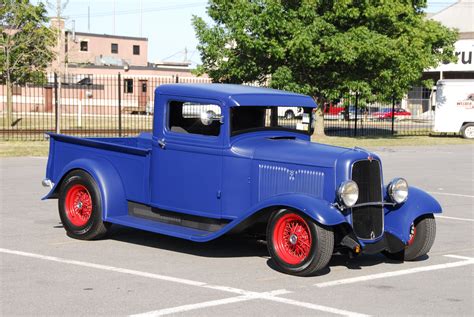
x,y
204,224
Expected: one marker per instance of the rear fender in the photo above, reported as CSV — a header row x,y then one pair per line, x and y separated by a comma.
x,y
399,218
319,210
106,177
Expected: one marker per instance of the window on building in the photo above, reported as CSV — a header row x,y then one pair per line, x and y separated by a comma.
x,y
84,46
136,49
114,48
185,117
128,86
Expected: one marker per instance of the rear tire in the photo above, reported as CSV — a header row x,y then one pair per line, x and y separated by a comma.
x,y
80,207
467,131
297,244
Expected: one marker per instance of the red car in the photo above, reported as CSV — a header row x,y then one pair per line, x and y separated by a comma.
x,y
387,113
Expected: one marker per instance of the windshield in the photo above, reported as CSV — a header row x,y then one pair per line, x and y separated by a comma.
x,y
259,118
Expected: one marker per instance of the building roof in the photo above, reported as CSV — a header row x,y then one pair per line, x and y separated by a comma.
x,y
112,36
239,95
459,15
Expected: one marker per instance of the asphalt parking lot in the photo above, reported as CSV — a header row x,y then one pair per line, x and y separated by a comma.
x,y
44,272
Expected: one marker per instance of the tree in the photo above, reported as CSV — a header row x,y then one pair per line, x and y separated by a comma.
x,y
26,45
322,48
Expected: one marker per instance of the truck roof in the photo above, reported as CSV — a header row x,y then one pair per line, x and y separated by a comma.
x,y
238,95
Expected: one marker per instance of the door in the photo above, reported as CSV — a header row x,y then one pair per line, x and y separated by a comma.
x,y
142,94
187,160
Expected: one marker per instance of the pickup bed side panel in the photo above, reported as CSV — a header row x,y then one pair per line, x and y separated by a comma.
x,y
120,176
399,218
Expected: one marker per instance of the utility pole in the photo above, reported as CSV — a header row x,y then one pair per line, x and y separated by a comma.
x,y
88,18
59,62
141,17
114,17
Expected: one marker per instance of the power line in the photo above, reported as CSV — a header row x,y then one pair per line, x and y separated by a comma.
x,y
146,10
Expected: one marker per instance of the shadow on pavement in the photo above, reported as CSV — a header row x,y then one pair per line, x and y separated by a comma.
x,y
223,247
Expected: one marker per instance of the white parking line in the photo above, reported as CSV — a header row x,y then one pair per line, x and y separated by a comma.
x,y
265,295
452,194
455,218
212,303
467,261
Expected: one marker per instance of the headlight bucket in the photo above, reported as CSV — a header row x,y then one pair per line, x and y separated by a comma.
x,y
398,190
348,193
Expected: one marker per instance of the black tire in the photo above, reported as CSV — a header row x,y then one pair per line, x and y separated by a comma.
x,y
422,241
93,226
320,250
467,131
289,115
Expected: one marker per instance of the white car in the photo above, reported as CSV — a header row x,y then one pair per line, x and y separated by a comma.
x,y
195,111
290,112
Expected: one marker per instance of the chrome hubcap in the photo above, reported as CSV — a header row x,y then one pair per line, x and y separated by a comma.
x,y
293,239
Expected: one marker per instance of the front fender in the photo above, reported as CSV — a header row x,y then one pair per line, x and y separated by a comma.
x,y
106,177
319,210
399,218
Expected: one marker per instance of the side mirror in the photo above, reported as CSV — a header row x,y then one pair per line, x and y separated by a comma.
x,y
208,117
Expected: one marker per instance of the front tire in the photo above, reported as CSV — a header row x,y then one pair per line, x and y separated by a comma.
x,y
80,207
297,244
422,236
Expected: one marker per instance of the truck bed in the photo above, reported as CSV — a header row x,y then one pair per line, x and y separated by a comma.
x,y
129,157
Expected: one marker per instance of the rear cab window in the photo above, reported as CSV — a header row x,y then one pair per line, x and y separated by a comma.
x,y
186,118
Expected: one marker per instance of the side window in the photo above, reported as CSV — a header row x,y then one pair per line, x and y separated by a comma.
x,y
187,117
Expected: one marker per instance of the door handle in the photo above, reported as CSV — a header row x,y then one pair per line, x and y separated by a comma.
x,y
162,143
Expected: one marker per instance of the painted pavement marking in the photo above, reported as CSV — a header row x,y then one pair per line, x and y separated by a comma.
x,y
455,218
467,261
244,293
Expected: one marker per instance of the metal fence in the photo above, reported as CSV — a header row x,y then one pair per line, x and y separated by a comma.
x,y
122,105
82,105
354,116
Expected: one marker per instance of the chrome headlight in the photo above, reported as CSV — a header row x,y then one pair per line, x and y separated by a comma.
x,y
348,193
398,190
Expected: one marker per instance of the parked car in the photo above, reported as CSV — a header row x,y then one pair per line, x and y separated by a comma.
x,y
200,178
350,113
332,112
290,113
399,113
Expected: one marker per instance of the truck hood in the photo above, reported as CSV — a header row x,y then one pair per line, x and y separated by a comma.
x,y
295,151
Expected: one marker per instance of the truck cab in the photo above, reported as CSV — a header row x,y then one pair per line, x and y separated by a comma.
x,y
222,160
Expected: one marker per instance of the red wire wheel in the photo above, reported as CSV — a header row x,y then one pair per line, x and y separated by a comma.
x,y
292,239
78,205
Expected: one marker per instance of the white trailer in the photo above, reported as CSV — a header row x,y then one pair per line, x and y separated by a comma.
x,y
455,107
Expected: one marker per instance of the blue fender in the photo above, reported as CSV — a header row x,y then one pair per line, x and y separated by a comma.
x,y
319,210
399,218
107,178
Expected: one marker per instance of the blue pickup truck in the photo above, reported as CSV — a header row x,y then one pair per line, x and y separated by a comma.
x,y
221,160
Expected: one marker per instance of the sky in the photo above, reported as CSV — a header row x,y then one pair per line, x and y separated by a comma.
x,y
166,23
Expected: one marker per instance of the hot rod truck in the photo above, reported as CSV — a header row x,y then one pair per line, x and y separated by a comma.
x,y
239,166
